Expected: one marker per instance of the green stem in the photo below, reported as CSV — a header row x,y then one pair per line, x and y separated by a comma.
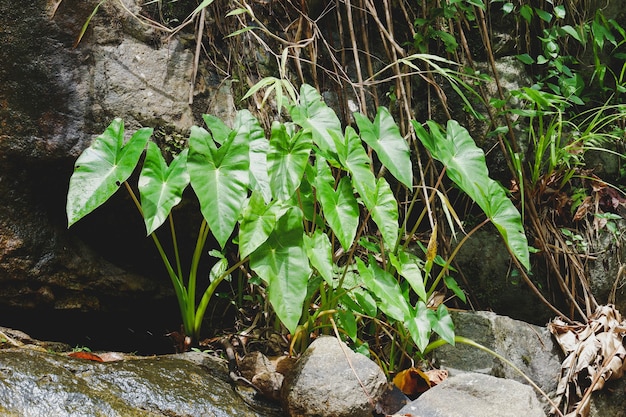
x,y
208,293
179,288
203,234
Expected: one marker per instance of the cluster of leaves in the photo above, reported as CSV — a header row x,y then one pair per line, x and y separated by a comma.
x,y
309,216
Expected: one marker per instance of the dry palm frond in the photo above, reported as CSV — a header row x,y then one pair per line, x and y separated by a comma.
x,y
595,353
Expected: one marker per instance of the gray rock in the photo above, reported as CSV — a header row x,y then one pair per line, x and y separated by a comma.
x,y
34,384
607,274
486,264
476,395
529,347
610,401
54,99
332,380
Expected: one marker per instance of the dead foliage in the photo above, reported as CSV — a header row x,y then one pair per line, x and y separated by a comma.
x,y
595,353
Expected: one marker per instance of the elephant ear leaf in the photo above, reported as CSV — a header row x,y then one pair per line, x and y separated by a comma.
x,y
465,165
161,186
102,168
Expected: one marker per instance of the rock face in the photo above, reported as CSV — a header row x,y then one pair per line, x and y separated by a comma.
x,y
44,384
331,380
54,99
476,395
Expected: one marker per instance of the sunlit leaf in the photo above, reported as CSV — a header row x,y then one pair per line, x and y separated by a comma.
x,y
418,325
384,212
408,267
383,135
353,158
441,323
219,177
340,207
286,160
313,114
385,287
102,168
319,251
465,165
160,186
281,261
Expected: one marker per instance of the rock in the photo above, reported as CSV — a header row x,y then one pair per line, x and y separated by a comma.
x,y
54,99
475,395
332,380
270,384
491,281
193,384
253,364
607,274
531,348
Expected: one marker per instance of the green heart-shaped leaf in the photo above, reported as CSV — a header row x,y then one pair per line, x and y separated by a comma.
x,y
219,177
383,135
161,187
102,168
281,261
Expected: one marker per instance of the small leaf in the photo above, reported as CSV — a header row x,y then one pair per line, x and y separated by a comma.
x,y
384,286
383,135
407,265
218,269
319,250
384,212
418,325
340,207
347,322
161,187
286,160
525,58
257,223
454,286
354,159
442,324
312,114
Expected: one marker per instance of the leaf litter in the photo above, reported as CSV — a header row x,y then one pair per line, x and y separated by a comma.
x,y
595,354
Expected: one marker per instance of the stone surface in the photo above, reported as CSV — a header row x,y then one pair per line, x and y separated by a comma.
x,y
55,97
530,348
475,395
486,264
36,384
332,380
607,270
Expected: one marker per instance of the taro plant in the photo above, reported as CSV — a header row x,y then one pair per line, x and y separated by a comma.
x,y
303,211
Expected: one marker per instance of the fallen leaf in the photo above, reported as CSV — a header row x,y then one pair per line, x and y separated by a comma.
x,y
414,381
86,355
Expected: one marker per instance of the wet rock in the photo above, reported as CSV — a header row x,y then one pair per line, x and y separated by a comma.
x,y
473,394
38,383
332,380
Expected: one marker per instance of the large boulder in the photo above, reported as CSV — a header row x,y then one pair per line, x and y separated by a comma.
x,y
332,380
476,395
530,348
34,383
55,97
